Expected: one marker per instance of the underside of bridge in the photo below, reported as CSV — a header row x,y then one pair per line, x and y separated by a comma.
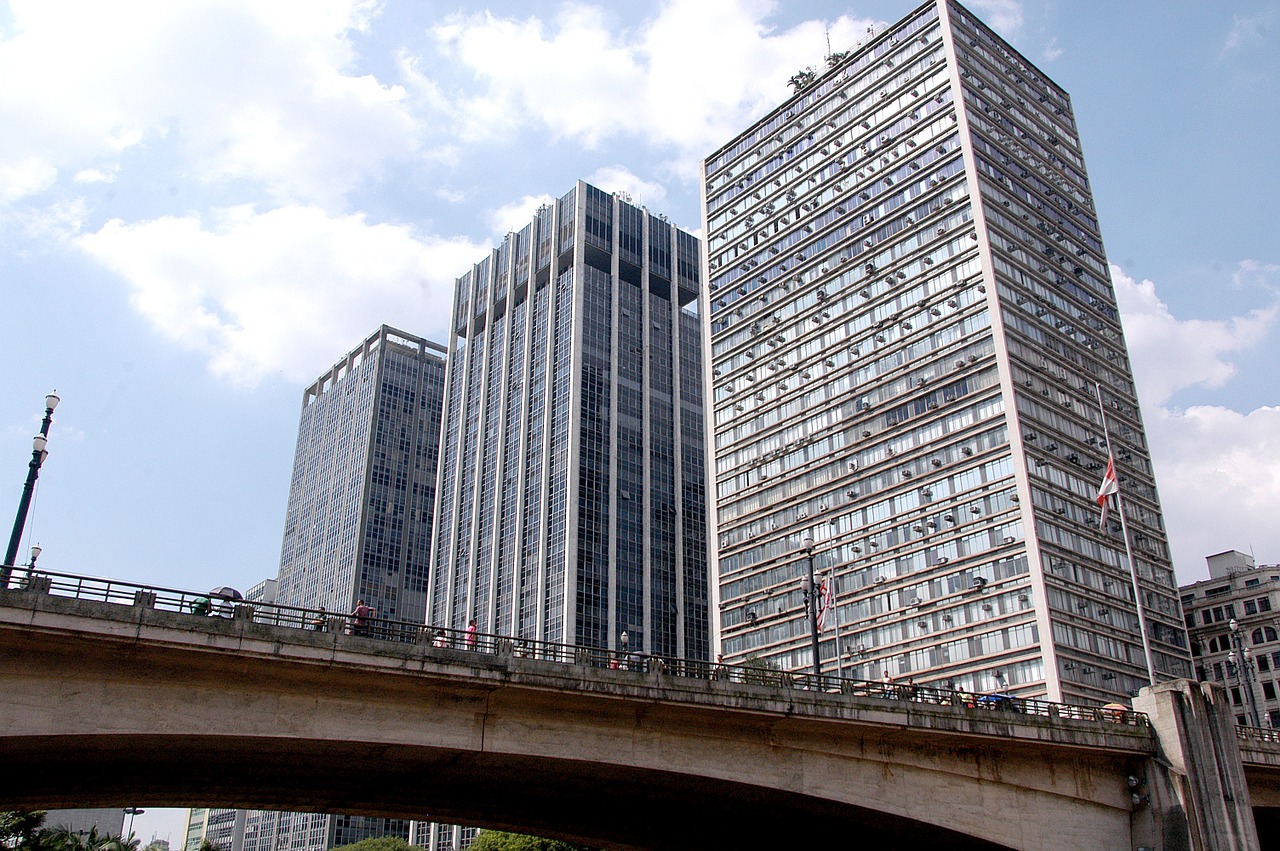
x,y
578,801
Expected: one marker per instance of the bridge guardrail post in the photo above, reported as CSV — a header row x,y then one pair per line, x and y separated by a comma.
x,y
242,612
144,599
38,584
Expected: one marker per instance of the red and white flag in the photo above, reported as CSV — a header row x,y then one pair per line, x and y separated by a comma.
x,y
826,599
1110,486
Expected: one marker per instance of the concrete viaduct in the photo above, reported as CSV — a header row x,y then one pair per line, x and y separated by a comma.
x,y
110,704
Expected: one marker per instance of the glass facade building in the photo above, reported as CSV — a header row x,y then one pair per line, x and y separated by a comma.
x,y
269,830
911,321
358,525
573,476
362,495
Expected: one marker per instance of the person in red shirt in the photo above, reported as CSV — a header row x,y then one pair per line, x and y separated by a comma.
x,y
360,618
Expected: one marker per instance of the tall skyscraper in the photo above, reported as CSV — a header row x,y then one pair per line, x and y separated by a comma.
x,y
910,311
573,476
358,524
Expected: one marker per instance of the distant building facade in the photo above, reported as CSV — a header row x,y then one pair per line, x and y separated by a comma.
x,y
1233,618
106,820
269,830
911,315
573,497
358,524
263,592
442,837
221,826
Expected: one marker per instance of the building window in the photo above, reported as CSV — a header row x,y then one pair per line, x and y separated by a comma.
x,y
1250,607
1264,604
1264,664
1269,690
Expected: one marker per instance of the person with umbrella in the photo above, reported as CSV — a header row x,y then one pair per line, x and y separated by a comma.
x,y
227,594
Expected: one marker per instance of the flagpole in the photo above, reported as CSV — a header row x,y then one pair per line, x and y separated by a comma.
x,y
1128,549
835,604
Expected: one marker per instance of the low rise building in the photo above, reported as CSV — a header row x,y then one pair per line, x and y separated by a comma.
x,y
1233,619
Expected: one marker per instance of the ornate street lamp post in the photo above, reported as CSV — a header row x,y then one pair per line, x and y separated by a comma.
x,y
1241,659
38,454
811,602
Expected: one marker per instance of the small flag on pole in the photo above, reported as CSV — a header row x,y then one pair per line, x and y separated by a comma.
x,y
1110,486
826,599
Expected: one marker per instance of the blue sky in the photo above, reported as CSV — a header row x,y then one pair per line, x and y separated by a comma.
x,y
204,203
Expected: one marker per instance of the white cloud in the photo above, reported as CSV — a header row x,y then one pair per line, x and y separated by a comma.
x,y
1249,30
1218,470
242,89
1052,51
618,178
1251,273
281,291
96,175
517,214
667,81
1170,354
1003,16
24,176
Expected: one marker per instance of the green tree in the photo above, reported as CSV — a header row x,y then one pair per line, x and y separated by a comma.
x,y
21,829
497,840
63,839
760,671
380,843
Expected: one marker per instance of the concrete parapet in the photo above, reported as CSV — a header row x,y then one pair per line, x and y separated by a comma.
x,y
1196,787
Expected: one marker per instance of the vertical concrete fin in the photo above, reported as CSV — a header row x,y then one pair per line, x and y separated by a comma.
x,y
1198,794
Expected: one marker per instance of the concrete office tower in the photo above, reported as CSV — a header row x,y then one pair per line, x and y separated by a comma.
x,y
910,307
364,473
573,476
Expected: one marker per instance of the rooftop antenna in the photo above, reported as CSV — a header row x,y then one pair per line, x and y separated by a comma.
x,y
828,31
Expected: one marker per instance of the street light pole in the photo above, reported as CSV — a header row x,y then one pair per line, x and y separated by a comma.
x,y
1242,658
131,812
38,454
811,603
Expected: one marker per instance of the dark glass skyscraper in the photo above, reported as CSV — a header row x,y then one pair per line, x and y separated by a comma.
x,y
911,311
358,525
364,473
573,481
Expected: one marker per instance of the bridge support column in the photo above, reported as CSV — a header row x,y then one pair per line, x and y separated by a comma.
x,y
1196,789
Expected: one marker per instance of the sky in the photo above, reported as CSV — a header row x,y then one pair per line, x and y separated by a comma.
x,y
205,203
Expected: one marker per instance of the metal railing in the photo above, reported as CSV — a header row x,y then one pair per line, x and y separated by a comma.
x,y
198,605
1257,734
